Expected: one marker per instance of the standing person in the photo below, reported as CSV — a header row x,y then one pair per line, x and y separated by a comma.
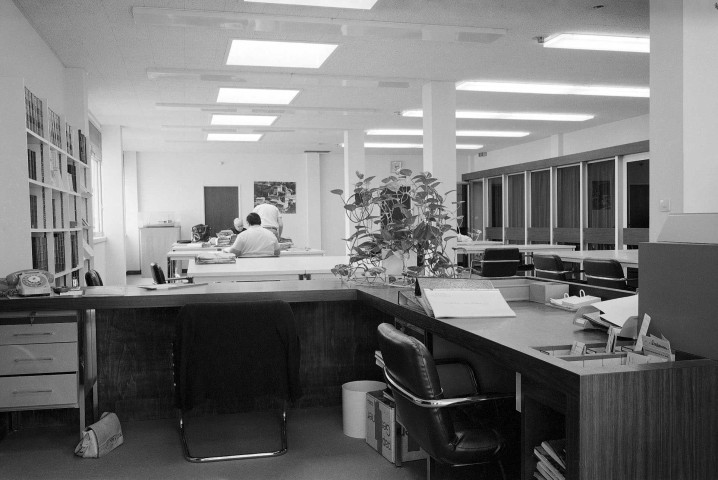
x,y
255,241
271,218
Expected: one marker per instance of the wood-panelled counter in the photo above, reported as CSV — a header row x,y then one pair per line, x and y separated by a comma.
x,y
653,421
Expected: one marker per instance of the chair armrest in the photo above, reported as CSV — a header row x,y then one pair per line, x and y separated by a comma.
x,y
443,402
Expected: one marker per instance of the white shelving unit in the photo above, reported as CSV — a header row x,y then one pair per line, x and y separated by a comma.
x,y
47,211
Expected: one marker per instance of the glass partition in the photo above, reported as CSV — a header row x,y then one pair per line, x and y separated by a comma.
x,y
540,219
495,221
568,206
601,208
516,209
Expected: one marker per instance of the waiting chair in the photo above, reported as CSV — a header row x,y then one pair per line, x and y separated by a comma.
x,y
606,273
93,279
427,414
500,262
158,276
234,353
551,266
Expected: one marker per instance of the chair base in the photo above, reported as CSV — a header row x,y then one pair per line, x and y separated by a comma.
x,y
244,456
431,467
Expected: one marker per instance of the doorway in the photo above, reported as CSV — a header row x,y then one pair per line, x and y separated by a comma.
x,y
221,207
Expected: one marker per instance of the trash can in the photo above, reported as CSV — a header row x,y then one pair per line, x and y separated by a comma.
x,y
354,406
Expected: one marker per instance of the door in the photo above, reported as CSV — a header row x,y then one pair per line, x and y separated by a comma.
x,y
221,207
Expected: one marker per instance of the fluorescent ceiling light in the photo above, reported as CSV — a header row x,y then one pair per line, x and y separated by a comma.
x,y
475,114
356,4
612,43
243,120
459,133
233,137
553,89
414,145
256,96
260,53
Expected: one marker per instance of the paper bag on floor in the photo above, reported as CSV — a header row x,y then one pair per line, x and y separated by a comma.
x,y
101,437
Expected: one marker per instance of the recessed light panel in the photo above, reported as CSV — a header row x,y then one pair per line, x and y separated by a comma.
x,y
415,145
243,120
612,43
553,89
355,4
459,133
234,137
256,96
260,53
482,115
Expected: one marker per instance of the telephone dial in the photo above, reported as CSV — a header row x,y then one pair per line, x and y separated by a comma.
x,y
30,282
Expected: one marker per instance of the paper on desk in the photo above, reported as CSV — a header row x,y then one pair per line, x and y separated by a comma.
x,y
170,286
104,291
455,303
618,310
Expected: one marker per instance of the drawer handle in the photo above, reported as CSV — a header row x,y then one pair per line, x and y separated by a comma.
x,y
40,359
39,334
30,392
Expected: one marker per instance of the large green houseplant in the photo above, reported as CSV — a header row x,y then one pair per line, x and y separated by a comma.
x,y
405,213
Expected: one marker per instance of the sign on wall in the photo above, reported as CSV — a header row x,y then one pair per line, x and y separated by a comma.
x,y
281,194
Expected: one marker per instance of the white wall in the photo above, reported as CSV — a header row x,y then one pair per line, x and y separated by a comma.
x,y
608,135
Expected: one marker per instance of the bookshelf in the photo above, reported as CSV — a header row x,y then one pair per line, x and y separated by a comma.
x,y
47,199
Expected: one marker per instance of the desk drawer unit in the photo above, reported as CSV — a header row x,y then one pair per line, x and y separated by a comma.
x,y
26,333
33,359
38,391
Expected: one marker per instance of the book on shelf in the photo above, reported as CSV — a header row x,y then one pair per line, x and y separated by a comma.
x,y
32,163
557,450
39,252
33,211
551,467
539,476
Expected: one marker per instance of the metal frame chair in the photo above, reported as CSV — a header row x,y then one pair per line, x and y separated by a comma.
x,y
211,357
606,273
413,378
547,265
158,276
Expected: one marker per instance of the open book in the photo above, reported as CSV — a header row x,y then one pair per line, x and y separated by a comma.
x,y
462,303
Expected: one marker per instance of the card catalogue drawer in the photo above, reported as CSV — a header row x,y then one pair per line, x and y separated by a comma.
x,y
38,358
35,391
25,333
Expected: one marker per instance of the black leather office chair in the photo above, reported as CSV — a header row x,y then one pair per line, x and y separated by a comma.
x,y
551,266
230,354
500,262
158,276
447,434
606,273
92,278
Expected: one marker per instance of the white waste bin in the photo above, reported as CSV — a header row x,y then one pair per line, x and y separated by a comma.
x,y
354,406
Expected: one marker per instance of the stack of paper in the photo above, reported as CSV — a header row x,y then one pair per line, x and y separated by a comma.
x,y
462,303
619,310
575,302
215,257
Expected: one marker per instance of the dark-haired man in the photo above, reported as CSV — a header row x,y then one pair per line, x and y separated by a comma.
x,y
255,241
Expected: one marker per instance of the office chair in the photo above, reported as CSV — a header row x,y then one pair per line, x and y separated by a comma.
x,y
551,266
92,278
449,435
606,273
229,354
500,262
158,276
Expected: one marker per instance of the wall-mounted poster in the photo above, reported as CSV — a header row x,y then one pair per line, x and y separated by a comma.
x,y
282,194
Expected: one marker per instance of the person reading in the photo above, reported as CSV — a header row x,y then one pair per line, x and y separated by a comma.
x,y
238,227
255,241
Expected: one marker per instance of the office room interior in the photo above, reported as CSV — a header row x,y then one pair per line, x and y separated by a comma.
x,y
144,81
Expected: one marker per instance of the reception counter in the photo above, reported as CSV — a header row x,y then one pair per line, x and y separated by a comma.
x,y
635,421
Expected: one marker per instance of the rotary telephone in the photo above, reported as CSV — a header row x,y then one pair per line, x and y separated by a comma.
x,y
30,282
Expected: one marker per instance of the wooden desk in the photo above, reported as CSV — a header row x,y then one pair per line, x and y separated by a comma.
x,y
641,421
179,254
266,268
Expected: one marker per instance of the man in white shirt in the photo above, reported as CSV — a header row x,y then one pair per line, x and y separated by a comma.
x,y
255,241
271,218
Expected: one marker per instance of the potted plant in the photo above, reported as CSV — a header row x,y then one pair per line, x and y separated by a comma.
x,y
405,213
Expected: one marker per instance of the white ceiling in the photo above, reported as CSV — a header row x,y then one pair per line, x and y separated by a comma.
x,y
155,66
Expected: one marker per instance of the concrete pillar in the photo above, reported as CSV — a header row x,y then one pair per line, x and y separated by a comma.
x,y
354,161
113,204
314,198
684,99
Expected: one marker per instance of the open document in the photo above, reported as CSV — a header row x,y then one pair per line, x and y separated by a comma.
x,y
448,303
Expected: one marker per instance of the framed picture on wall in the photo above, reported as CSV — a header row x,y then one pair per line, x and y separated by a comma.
x,y
396,166
282,195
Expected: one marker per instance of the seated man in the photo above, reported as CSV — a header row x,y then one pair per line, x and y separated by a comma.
x,y
255,241
238,227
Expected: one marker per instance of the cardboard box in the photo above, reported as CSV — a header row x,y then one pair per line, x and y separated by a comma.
x,y
382,431
541,292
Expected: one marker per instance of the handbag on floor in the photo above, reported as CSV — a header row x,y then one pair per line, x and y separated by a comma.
x,y
101,437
